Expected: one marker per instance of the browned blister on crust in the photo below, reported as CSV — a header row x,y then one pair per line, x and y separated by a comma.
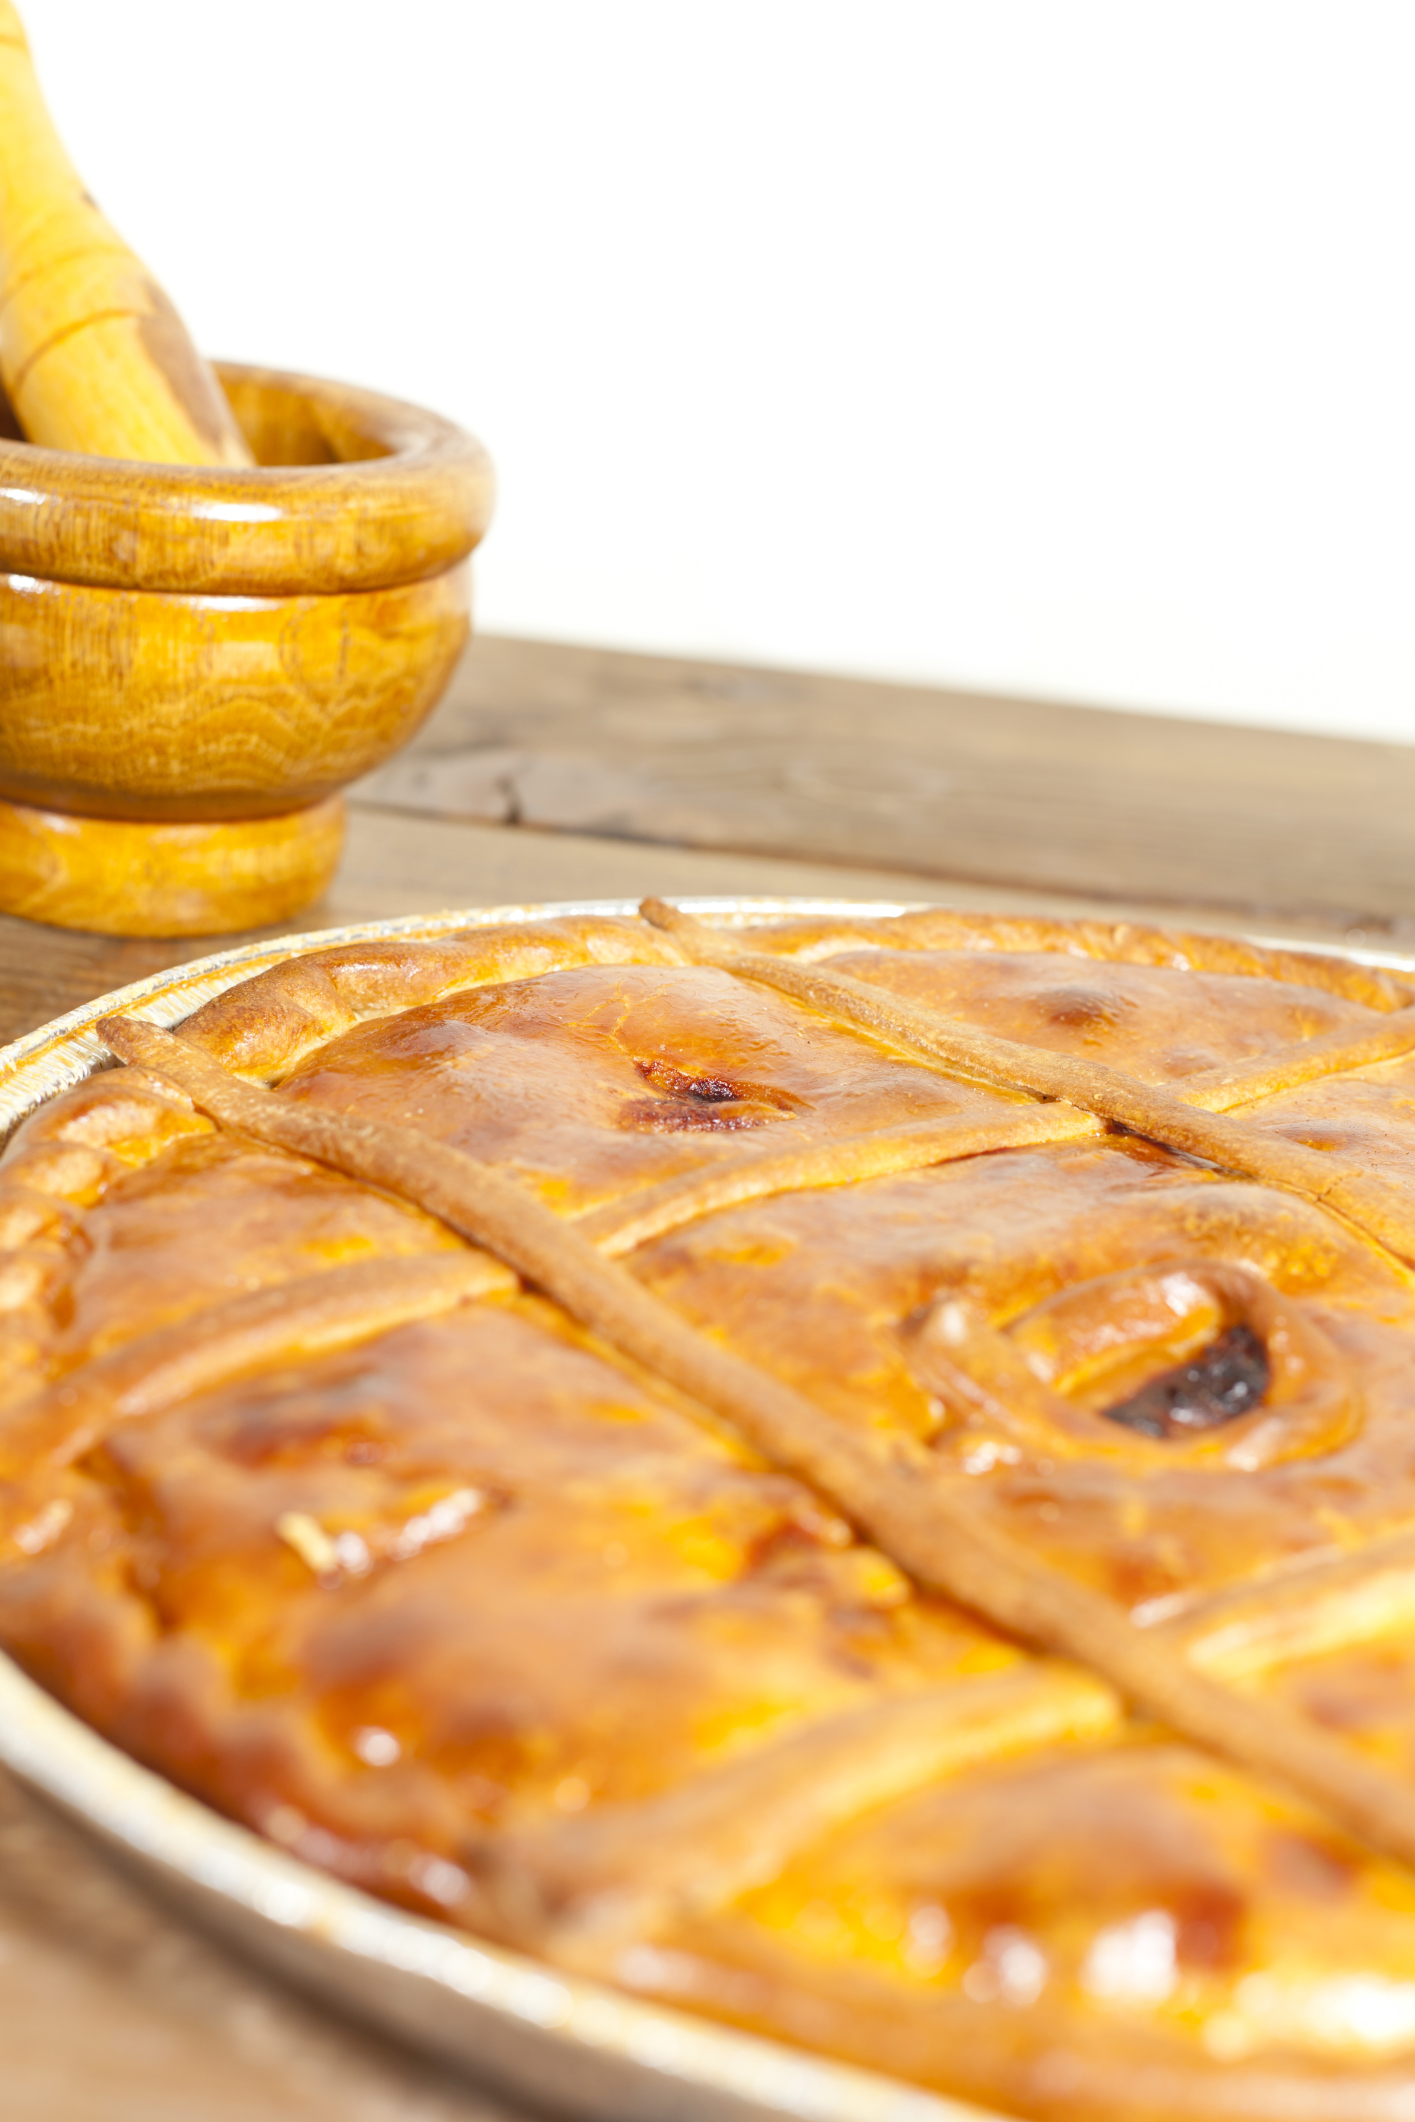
x,y
605,1609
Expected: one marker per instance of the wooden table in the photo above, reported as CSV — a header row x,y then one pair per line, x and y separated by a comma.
x,y
569,773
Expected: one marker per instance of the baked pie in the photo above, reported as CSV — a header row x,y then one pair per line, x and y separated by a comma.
x,y
855,1476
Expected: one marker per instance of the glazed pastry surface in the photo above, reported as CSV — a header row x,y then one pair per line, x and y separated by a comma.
x,y
330,1516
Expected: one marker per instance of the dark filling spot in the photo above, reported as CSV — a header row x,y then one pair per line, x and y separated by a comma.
x,y
713,1090
1228,1379
716,1104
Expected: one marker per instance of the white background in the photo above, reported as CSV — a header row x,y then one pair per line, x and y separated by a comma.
x,y
1064,347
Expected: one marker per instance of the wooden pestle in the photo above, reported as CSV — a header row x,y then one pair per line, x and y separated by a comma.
x,y
93,355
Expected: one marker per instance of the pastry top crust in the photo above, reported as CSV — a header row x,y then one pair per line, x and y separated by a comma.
x,y
332,1516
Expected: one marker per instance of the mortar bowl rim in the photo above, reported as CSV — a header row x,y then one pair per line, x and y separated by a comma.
x,y
415,505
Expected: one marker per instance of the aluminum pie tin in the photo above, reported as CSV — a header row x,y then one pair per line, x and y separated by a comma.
x,y
517,2024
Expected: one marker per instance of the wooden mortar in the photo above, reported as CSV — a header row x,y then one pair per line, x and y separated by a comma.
x,y
194,660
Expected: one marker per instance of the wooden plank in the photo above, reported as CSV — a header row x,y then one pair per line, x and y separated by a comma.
x,y
944,784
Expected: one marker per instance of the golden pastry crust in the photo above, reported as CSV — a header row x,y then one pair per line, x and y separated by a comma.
x,y
312,1501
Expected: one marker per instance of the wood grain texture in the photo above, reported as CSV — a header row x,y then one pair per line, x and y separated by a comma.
x,y
141,704
125,879
947,785
351,491
93,353
151,680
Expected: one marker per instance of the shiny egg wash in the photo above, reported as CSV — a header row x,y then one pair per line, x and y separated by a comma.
x,y
851,1476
